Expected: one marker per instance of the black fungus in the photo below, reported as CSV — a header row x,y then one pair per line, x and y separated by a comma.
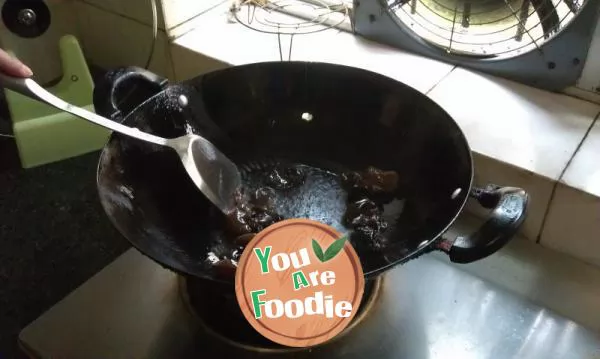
x,y
252,213
372,181
225,262
367,191
366,218
236,253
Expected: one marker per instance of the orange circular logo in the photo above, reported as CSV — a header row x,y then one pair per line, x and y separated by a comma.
x,y
299,282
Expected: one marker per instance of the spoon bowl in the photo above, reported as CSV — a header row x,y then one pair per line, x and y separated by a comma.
x,y
212,172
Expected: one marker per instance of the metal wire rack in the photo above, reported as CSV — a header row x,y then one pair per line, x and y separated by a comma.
x,y
288,17
486,28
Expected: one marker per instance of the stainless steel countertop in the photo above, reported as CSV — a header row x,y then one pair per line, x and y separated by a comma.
x,y
427,309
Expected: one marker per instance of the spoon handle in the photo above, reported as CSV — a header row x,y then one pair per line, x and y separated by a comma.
x,y
31,89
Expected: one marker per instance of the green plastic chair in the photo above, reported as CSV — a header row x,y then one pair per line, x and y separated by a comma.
x,y
44,134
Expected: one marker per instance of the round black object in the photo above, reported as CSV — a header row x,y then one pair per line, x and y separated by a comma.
x,y
26,18
317,125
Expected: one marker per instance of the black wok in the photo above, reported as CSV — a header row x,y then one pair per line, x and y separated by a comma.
x,y
257,115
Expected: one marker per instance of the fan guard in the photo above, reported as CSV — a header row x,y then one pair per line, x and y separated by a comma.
x,y
485,28
542,43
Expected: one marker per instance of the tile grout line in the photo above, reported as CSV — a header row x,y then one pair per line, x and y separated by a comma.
x,y
440,80
538,240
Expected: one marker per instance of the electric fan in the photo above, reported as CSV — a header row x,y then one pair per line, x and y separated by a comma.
x,y
542,43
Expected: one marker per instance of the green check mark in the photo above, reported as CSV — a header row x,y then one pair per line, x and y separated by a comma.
x,y
330,252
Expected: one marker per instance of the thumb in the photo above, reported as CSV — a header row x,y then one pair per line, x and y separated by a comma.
x,y
12,66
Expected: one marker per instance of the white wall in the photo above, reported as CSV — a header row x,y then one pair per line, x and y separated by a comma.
x,y
118,33
590,77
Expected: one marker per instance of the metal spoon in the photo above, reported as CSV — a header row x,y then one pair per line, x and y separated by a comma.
x,y
213,173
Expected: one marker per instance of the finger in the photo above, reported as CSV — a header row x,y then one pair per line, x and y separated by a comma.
x,y
12,66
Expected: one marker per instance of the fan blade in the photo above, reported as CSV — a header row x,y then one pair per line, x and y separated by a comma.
x,y
397,3
548,16
523,14
573,5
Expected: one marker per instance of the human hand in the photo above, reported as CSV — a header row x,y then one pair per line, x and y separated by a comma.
x,y
12,66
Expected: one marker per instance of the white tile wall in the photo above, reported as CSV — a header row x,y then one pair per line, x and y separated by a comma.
x,y
590,96
524,137
188,64
584,170
573,224
530,128
590,78
415,71
539,188
111,40
178,12
238,45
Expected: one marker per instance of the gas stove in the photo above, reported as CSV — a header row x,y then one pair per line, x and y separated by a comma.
x,y
426,308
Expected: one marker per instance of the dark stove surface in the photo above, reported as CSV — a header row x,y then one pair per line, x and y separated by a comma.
x,y
54,236
426,309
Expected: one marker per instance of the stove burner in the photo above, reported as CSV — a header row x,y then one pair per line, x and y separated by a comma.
x,y
216,308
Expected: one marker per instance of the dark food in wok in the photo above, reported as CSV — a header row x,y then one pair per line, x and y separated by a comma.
x,y
356,150
367,192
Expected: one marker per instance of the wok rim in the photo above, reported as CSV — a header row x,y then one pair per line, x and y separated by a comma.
x,y
421,249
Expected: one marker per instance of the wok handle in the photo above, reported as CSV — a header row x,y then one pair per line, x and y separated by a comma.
x,y
105,90
509,211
